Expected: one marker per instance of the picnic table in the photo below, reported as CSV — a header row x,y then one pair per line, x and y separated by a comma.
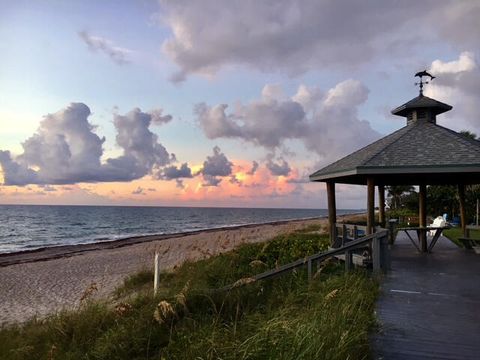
x,y
419,243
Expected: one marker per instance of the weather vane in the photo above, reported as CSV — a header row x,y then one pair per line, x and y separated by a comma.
x,y
421,74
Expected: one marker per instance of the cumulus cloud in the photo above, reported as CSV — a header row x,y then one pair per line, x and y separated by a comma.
x,y
457,84
215,167
117,54
326,122
65,149
295,36
265,122
278,169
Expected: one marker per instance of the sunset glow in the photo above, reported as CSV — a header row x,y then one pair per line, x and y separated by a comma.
x,y
141,103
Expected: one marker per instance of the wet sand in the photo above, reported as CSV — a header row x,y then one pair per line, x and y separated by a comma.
x,y
44,281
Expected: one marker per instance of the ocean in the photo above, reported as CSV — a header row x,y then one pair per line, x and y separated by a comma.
x,y
28,227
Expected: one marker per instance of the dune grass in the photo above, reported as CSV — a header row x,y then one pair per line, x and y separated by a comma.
x,y
283,318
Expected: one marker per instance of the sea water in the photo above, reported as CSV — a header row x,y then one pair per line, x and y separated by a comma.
x,y
28,227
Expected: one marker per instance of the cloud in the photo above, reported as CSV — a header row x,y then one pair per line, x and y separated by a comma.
x,y
215,167
457,84
235,180
158,118
179,183
138,191
326,122
295,36
66,150
99,44
278,169
265,122
253,169
142,151
209,180
173,172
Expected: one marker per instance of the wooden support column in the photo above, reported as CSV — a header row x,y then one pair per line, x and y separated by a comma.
x,y
463,214
422,216
332,210
381,205
370,205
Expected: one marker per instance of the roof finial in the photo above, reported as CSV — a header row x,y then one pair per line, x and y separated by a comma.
x,y
421,74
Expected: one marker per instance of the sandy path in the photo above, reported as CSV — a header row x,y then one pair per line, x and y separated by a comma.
x,y
42,287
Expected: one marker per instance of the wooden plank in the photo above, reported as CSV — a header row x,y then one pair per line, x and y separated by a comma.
x,y
428,306
320,256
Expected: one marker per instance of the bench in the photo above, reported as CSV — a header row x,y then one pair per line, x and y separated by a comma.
x,y
468,242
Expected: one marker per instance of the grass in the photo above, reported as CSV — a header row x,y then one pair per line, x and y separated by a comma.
x,y
283,318
455,233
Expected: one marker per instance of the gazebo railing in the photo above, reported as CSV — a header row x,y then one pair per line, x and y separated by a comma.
x,y
378,242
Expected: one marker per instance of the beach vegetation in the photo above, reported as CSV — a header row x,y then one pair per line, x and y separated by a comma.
x,y
191,317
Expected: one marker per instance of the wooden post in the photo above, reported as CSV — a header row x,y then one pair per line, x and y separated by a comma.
x,y
381,205
332,210
370,205
463,215
422,216
156,276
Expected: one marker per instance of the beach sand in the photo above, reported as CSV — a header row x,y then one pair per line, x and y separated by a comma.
x,y
42,282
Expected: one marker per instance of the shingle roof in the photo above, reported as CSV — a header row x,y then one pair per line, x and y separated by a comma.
x,y
420,102
415,148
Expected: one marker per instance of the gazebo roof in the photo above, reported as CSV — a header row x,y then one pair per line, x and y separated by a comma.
x,y
420,102
421,152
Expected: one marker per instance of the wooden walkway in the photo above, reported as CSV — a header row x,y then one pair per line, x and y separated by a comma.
x,y
429,307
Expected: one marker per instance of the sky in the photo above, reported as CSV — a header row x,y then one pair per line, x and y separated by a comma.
x,y
216,103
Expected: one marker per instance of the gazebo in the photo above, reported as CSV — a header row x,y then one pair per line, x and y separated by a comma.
x,y
421,153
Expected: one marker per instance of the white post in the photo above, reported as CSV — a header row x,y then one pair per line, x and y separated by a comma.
x,y
156,278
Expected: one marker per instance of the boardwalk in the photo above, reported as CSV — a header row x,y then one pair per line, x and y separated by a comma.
x,y
429,307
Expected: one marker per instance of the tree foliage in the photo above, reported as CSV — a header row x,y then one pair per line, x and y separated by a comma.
x,y
401,196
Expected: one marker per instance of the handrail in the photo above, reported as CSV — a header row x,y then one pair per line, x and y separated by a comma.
x,y
319,256
378,251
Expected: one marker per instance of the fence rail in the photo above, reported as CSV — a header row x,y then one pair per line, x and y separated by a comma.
x,y
378,243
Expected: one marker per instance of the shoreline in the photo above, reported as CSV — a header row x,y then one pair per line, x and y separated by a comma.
x,y
63,251
40,283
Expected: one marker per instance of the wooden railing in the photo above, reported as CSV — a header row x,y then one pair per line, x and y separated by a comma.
x,y
377,242
347,232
